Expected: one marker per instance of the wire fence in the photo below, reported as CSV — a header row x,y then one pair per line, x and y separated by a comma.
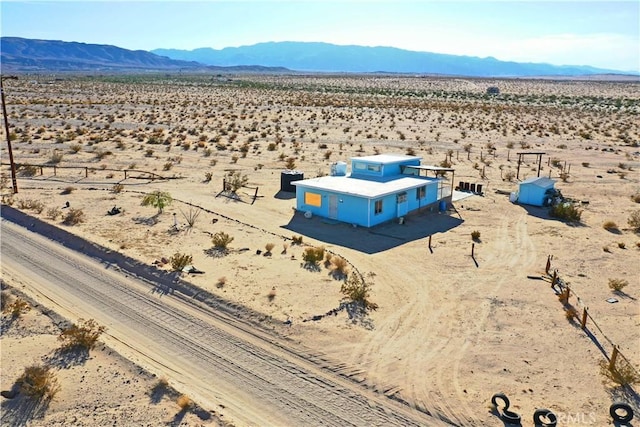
x,y
618,364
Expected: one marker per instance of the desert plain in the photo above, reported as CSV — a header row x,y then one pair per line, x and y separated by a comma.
x,y
449,331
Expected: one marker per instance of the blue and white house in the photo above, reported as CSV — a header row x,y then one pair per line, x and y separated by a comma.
x,y
379,189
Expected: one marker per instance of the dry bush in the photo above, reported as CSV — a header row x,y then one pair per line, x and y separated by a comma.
x,y
623,373
636,197
74,216
269,247
221,282
184,402
610,226
634,221
34,205
567,212
617,285
296,240
82,335
75,148
38,382
68,190
313,255
340,265
56,157
117,188
16,308
28,170
221,240
622,245
191,216
509,175
355,289
570,313
285,246
327,259
475,235
180,261
54,213
563,296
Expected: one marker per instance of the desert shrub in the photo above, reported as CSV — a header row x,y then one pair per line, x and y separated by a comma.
x,y
117,188
68,190
623,373
75,148
356,290
313,255
28,170
290,163
327,259
221,282
179,261
272,294
475,235
636,197
74,216
622,245
235,181
38,382
82,335
610,226
285,246
606,249
272,146
296,240
586,164
16,308
221,240
566,212
340,265
269,247
208,176
570,313
54,213
191,216
509,175
56,157
634,221
31,204
617,285
184,402
157,199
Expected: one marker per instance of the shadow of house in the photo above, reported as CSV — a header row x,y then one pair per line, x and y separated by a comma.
x,y
22,410
375,239
543,213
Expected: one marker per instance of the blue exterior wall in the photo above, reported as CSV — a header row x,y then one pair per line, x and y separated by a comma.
x,y
386,169
531,194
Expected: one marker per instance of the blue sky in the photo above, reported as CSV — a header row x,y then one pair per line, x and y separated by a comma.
x,y
599,33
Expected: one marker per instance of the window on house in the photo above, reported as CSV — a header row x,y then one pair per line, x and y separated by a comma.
x,y
313,199
402,197
378,207
421,192
373,168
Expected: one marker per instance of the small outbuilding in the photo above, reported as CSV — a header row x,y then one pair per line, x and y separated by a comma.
x,y
536,191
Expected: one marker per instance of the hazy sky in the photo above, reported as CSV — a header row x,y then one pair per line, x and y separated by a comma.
x,y
599,33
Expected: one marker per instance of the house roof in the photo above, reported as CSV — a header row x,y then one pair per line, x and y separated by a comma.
x,y
539,182
364,187
385,158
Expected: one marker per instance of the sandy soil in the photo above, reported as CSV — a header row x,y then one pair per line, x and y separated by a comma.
x,y
449,332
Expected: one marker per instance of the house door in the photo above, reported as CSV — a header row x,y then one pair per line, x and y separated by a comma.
x,y
333,206
402,203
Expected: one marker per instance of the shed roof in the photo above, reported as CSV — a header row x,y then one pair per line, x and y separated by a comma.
x,y
539,182
364,187
386,158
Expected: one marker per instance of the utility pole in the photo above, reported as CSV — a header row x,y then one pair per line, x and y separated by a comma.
x,y
6,129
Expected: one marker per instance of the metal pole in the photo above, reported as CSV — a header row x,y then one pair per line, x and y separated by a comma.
x,y
6,129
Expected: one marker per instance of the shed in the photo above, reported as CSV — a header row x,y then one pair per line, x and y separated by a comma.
x,y
537,191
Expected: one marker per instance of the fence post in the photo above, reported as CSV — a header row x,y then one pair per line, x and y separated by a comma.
x,y
473,247
548,267
54,171
583,322
125,174
86,172
429,241
555,277
614,356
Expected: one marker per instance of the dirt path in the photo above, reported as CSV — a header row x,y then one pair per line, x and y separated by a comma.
x,y
219,363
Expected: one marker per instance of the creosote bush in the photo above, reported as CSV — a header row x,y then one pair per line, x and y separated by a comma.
x,y
269,247
184,402
475,235
221,240
340,265
296,240
74,216
38,382
566,212
356,289
610,226
313,255
180,261
17,308
617,285
82,335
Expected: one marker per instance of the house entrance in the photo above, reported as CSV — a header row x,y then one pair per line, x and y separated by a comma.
x,y
403,205
333,206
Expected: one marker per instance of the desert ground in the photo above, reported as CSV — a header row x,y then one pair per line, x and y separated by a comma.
x,y
449,331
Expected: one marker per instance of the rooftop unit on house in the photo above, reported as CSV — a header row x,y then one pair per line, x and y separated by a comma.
x,y
379,189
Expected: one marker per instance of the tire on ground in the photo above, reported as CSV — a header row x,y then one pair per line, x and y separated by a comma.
x,y
539,414
626,417
500,396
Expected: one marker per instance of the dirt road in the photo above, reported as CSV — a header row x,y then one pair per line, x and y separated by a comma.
x,y
250,378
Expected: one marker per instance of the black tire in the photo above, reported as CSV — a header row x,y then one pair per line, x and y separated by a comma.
x,y
628,412
511,417
503,397
544,413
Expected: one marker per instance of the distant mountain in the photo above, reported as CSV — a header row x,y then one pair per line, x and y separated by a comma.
x,y
325,57
28,55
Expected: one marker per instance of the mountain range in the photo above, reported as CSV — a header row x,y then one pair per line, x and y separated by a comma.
x,y
29,55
